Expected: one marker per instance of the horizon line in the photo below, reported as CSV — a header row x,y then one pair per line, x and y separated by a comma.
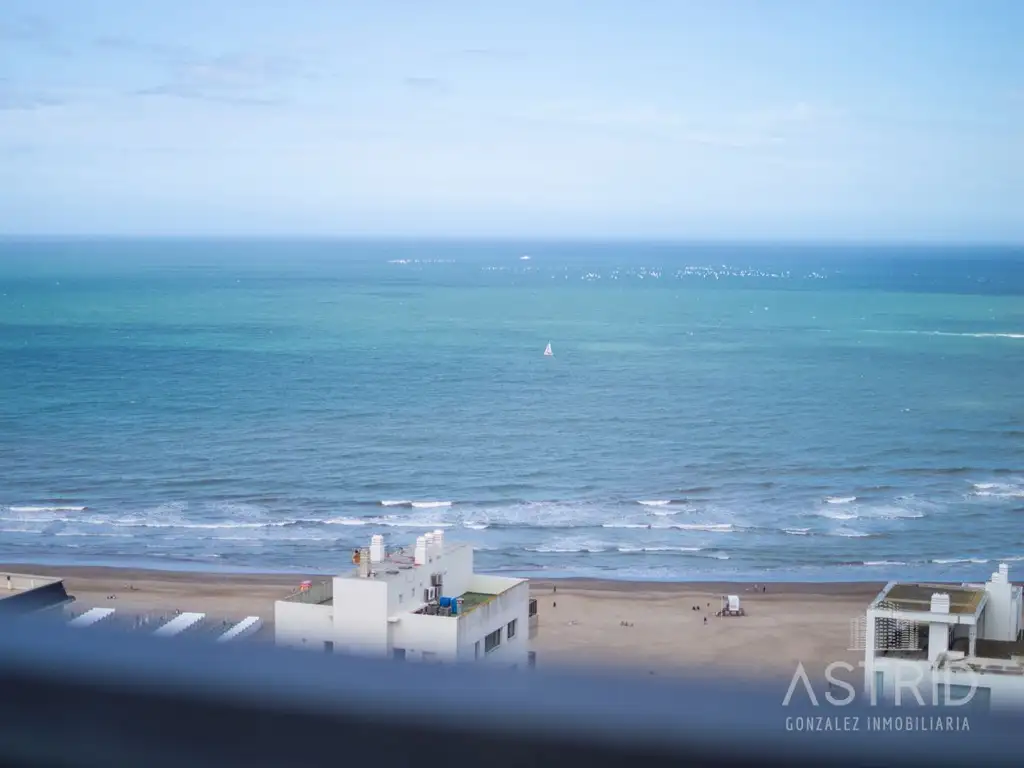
x,y
518,239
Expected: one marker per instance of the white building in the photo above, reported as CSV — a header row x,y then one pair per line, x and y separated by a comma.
x,y
426,604
943,642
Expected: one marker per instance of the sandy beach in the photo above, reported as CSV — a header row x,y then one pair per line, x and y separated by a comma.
x,y
653,627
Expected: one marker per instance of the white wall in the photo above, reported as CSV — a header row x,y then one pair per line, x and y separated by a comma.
x,y
416,633
475,625
301,625
361,615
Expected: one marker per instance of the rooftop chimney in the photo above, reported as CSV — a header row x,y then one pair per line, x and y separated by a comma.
x,y
439,540
1004,571
377,548
940,602
420,555
364,563
430,543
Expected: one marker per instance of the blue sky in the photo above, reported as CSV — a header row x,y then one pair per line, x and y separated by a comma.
x,y
865,119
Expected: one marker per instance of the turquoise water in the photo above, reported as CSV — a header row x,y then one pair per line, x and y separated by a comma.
x,y
786,412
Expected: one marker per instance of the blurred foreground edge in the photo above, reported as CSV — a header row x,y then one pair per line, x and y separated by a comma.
x,y
93,698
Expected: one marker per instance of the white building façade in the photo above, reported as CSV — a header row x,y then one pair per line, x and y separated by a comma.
x,y
946,643
424,605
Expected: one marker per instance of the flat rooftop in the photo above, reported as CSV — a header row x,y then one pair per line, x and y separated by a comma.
x,y
470,602
918,597
14,583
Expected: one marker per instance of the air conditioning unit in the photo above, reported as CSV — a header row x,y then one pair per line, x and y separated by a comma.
x,y
429,594
435,579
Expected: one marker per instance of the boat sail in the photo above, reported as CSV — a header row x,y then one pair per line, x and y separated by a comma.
x,y
547,351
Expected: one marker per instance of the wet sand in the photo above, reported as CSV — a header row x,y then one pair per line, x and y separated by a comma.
x,y
649,626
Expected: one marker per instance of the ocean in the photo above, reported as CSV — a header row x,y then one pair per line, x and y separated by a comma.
x,y
711,411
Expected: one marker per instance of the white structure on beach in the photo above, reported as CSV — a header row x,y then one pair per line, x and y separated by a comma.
x,y
426,604
942,644
91,617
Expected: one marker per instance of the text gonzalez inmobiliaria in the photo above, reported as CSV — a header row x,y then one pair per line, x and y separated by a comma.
x,y
907,689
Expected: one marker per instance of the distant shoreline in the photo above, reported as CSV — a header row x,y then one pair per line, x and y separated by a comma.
x,y
577,583
651,627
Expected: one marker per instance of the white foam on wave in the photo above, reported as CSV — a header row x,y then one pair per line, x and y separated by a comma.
x,y
654,502
535,514
402,522
872,563
999,490
415,504
35,510
840,499
566,550
660,549
892,512
199,526
831,515
976,335
708,527
625,525
796,531
345,521
473,526
959,560
878,512
987,335
850,533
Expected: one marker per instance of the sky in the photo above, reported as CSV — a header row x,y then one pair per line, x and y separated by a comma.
x,y
724,119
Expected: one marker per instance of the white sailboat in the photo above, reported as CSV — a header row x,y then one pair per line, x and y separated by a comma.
x,y
547,351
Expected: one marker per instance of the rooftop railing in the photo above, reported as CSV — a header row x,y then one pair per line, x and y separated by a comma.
x,y
76,699
319,592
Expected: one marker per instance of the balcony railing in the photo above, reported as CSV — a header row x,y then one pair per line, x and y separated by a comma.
x,y
95,698
318,593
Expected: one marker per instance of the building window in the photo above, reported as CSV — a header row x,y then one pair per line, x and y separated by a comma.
x,y
476,650
533,606
492,641
328,646
398,654
400,598
511,629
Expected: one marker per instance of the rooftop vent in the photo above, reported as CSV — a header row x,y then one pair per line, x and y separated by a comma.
x,y
420,556
940,602
377,551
